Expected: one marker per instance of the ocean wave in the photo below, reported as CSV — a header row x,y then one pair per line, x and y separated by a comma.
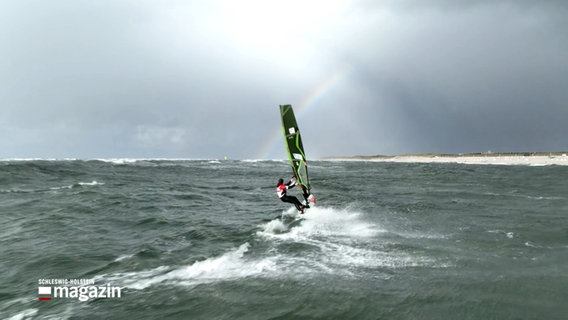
x,y
228,266
24,314
120,160
79,184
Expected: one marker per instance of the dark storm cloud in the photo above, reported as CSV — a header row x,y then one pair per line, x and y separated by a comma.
x,y
117,78
488,76
179,79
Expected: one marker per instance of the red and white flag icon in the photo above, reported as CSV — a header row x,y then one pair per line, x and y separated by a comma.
x,y
44,293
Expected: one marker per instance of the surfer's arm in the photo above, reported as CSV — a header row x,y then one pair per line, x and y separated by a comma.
x,y
291,184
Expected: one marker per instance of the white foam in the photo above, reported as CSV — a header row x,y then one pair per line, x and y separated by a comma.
x,y
532,245
352,256
509,234
333,241
328,222
25,314
229,266
275,227
61,188
123,257
83,184
37,159
344,240
420,235
92,183
120,161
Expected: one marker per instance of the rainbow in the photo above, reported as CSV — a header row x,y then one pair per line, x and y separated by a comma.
x,y
307,103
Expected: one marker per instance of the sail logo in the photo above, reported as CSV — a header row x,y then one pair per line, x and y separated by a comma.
x,y
81,293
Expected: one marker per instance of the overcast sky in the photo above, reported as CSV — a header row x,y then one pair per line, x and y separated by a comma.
x,y
203,79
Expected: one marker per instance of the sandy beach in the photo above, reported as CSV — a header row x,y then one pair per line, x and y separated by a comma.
x,y
530,160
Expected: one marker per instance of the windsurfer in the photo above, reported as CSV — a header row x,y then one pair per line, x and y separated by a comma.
x,y
281,192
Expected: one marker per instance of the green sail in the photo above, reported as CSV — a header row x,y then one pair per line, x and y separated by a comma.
x,y
293,142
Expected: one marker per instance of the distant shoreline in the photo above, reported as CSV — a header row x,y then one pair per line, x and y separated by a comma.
x,y
524,158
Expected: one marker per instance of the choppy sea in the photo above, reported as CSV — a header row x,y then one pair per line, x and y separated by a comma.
x,y
201,239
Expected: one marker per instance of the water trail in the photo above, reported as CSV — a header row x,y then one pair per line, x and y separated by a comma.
x,y
229,266
325,241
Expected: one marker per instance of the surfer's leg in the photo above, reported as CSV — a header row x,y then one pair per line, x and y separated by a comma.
x,y
297,203
287,199
293,200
